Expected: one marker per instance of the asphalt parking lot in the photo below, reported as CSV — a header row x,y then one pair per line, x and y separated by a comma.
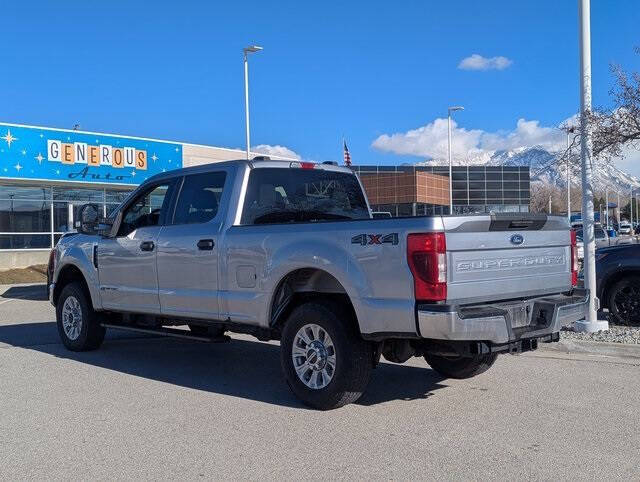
x,y
151,408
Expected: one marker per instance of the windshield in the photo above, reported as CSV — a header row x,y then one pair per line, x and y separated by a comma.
x,y
281,195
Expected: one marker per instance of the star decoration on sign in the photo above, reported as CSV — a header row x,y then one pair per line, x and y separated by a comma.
x,y
18,167
176,149
58,172
133,173
39,158
24,152
41,135
154,157
9,138
5,169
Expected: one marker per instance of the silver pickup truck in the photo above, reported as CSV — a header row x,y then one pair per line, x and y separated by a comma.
x,y
289,251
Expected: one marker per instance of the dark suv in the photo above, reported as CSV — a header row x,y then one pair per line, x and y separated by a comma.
x,y
618,282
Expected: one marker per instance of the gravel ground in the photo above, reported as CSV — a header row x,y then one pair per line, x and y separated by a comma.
x,y
617,334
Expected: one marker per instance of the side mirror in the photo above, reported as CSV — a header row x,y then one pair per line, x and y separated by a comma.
x,y
90,221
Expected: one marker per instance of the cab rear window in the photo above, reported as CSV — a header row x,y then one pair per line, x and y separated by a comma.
x,y
282,195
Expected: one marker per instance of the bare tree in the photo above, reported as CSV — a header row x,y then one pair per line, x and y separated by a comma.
x,y
540,196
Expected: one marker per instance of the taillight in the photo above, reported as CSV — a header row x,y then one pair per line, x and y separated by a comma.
x,y
574,258
427,257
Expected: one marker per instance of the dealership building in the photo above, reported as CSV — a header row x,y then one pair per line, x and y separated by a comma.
x,y
424,190
47,174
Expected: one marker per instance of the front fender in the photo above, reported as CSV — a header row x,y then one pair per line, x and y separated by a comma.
x,y
79,254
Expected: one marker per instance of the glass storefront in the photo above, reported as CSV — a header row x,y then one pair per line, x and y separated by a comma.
x,y
34,217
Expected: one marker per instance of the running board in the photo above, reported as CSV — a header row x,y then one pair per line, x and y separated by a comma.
x,y
171,332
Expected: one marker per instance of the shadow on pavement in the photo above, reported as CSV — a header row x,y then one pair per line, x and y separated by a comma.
x,y
240,368
31,293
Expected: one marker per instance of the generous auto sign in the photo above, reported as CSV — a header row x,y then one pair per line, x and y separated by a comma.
x,y
65,155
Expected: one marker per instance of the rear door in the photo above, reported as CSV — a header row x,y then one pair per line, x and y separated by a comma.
x,y
506,255
188,248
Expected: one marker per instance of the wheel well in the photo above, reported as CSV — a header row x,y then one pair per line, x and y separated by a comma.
x,y
301,286
69,274
612,280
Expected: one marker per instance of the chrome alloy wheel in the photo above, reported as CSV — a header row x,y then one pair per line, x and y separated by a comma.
x,y
314,356
71,317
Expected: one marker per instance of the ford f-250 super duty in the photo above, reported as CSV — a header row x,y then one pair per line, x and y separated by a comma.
x,y
289,251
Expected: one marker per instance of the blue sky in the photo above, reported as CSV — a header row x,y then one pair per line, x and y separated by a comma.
x,y
173,70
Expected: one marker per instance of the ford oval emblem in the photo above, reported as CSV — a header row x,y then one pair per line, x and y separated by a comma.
x,y
517,239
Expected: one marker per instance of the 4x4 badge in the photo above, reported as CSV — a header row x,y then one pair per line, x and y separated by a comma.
x,y
366,239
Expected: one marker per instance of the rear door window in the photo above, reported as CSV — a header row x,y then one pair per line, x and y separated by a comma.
x,y
289,195
199,198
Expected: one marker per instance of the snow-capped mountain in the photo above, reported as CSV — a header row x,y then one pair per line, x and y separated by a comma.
x,y
548,167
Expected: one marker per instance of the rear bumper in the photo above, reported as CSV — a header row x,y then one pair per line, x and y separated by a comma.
x,y
507,322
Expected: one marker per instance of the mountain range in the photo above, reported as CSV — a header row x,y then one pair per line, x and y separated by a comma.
x,y
548,167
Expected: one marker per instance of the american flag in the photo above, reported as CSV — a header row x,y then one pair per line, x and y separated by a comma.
x,y
347,156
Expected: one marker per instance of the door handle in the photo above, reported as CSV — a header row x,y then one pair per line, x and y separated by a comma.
x,y
147,246
206,244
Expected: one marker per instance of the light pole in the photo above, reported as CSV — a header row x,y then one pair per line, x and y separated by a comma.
x,y
245,52
571,130
591,322
606,205
450,110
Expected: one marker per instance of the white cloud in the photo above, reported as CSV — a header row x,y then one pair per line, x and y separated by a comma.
x,y
276,151
431,140
478,62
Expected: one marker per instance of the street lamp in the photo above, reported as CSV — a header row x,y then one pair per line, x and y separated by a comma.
x,y
450,110
245,52
591,323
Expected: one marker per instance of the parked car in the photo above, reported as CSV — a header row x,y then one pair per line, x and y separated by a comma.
x,y
618,282
602,239
624,228
289,251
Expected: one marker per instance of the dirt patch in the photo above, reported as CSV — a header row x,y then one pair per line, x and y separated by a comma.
x,y
32,274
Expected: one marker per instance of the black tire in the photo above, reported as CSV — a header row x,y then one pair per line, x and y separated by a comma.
x,y
623,301
460,367
353,355
89,334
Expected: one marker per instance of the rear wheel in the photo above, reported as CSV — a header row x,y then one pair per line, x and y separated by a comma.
x,y
460,367
78,324
623,301
325,361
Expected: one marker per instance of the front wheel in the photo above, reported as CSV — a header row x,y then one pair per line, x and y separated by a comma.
x,y
78,324
460,367
325,362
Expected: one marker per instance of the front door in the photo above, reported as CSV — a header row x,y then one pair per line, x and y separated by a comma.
x,y
127,262
188,249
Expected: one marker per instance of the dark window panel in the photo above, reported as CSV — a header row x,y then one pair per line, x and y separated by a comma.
x,y
25,241
494,185
25,192
25,216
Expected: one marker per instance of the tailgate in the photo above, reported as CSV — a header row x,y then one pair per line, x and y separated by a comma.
x,y
503,256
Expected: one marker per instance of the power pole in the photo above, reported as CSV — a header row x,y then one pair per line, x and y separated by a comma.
x,y
591,322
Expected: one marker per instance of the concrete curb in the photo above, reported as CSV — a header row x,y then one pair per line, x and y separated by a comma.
x,y
594,348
